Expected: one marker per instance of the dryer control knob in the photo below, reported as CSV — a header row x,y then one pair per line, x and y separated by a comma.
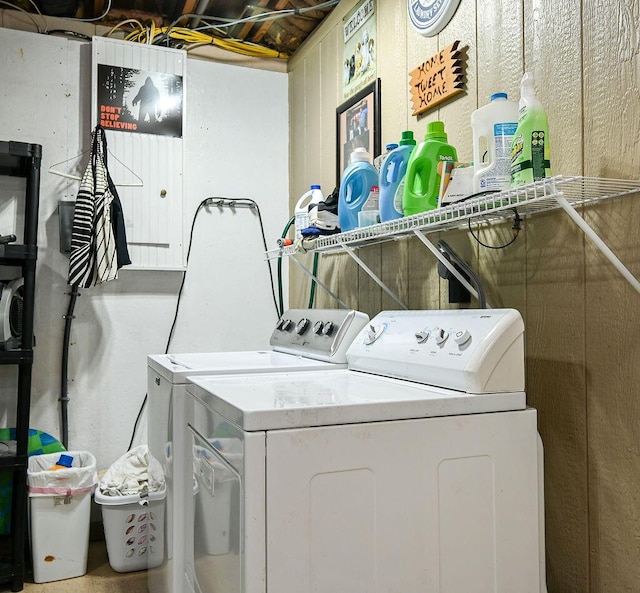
x,y
286,324
302,326
461,337
317,327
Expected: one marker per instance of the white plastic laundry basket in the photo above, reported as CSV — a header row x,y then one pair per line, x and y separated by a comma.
x,y
133,529
59,515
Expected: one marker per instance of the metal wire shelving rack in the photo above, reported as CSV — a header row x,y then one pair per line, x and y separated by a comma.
x,y
560,192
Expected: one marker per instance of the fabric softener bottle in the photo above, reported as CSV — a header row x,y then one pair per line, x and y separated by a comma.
x,y
424,170
530,160
357,180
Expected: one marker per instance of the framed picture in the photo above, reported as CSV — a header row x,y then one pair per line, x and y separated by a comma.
x,y
358,125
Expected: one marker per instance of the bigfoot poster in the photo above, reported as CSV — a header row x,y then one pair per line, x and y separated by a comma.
x,y
138,101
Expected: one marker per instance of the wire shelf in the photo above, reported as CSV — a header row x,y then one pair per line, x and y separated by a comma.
x,y
541,196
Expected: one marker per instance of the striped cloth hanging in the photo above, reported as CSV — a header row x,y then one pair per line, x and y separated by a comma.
x,y
98,244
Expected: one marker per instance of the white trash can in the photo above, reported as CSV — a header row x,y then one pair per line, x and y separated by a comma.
x,y
133,529
59,514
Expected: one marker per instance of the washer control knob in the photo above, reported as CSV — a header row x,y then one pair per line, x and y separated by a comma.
x,y
422,336
302,326
328,328
373,333
318,326
461,337
440,335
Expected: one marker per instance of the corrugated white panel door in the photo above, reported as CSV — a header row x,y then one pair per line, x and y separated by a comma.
x,y
147,167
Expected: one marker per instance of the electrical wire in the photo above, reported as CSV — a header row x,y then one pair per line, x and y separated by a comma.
x,y
515,228
28,14
203,203
97,18
252,204
265,16
190,39
69,33
234,45
140,27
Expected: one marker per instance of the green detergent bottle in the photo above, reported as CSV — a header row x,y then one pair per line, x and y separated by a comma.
x,y
530,160
424,170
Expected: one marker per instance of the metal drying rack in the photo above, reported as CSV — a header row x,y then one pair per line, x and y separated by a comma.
x,y
566,193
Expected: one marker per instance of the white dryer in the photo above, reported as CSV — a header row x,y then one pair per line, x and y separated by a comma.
x,y
415,469
302,340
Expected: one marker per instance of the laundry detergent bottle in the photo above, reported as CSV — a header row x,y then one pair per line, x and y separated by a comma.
x,y
424,170
377,162
301,211
357,180
493,127
530,158
392,173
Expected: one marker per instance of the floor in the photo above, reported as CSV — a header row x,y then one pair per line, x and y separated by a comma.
x,y
100,577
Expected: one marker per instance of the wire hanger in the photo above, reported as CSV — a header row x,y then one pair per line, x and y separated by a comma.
x,y
78,178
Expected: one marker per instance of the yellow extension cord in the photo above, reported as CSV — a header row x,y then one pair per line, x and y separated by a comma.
x,y
147,34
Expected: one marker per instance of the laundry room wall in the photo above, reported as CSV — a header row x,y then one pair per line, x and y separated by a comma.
x,y
236,138
582,333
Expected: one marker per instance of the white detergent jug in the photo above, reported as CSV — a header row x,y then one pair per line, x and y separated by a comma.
x,y
301,212
494,126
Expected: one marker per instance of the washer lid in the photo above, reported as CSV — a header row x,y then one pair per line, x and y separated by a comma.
x,y
177,367
292,400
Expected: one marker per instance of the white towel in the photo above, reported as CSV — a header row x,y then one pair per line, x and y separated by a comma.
x,y
135,472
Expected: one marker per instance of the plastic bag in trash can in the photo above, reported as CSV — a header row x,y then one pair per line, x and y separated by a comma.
x,y
80,478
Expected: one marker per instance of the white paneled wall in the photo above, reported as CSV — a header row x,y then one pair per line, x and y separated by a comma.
x,y
153,212
236,144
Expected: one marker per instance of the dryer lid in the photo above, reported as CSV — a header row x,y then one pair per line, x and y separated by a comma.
x,y
294,400
177,367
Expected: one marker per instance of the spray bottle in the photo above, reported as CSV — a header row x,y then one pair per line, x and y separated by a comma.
x,y
530,160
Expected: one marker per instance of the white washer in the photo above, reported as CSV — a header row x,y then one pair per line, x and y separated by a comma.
x,y
415,469
303,340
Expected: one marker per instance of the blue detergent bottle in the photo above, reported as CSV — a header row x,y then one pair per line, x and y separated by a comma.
x,y
357,180
392,172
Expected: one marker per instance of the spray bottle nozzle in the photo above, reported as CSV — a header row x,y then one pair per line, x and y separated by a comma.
x,y
526,84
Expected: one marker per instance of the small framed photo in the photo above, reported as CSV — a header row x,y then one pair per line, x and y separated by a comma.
x,y
358,125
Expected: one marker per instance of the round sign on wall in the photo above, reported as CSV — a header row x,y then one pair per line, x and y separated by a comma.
x,y
429,17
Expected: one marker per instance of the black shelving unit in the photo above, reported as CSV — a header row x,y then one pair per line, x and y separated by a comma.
x,y
19,159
